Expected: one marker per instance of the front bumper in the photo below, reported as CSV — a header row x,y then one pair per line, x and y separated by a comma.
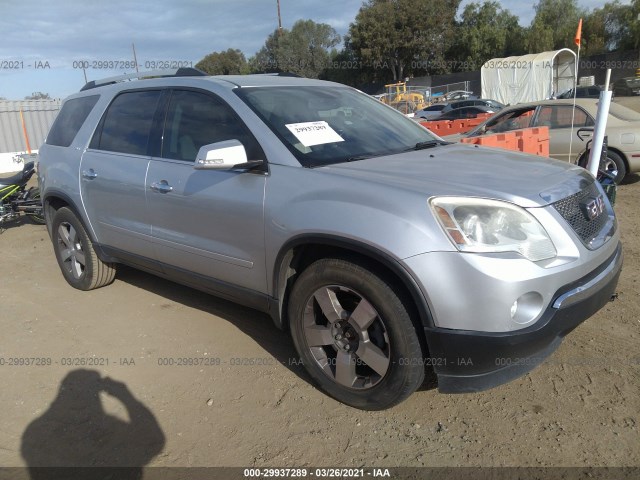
x,y
471,361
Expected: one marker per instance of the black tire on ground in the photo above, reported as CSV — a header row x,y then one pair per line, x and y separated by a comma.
x,y
613,163
77,258
37,219
355,335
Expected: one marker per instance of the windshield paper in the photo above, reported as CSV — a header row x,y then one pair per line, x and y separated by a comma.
x,y
314,133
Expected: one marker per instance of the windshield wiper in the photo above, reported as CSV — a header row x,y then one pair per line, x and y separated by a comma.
x,y
355,158
427,144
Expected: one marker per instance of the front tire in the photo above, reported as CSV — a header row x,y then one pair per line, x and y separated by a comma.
x,y
75,253
355,335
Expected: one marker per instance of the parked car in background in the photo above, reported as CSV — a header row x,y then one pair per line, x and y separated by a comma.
x,y
478,102
431,112
592,91
623,131
627,86
458,95
464,112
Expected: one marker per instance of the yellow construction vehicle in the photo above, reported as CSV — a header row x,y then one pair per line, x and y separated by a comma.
x,y
406,101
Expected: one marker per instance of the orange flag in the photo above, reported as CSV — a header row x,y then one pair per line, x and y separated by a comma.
x,y
578,37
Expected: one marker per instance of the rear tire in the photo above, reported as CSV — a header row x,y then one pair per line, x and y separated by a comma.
x,y
75,253
355,335
614,164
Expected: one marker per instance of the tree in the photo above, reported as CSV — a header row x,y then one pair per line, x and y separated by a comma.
x,y
38,96
613,27
305,50
229,62
404,36
594,33
554,25
347,68
486,31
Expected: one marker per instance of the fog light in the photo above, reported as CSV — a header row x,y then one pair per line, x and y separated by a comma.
x,y
526,308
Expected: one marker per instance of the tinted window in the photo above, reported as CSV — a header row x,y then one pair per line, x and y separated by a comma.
x,y
196,119
560,117
73,114
127,123
513,120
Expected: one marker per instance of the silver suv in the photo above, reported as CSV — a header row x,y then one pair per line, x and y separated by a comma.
x,y
385,251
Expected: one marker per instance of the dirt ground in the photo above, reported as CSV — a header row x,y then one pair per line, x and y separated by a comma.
x,y
101,365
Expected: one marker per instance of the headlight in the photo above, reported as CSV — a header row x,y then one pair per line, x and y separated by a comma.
x,y
481,225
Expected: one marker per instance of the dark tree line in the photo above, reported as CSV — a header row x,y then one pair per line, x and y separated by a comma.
x,y
390,40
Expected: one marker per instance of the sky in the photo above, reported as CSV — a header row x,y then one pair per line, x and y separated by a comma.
x,y
44,43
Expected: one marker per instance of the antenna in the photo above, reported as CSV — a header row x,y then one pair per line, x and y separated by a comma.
x,y
135,60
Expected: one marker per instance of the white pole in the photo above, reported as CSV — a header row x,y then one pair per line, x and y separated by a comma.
x,y
600,127
573,109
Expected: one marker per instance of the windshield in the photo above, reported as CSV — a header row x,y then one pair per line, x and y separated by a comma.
x,y
325,125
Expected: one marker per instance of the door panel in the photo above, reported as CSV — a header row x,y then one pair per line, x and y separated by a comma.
x,y
113,173
211,222
113,193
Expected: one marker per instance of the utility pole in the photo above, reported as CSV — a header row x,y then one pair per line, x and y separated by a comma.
x,y
279,20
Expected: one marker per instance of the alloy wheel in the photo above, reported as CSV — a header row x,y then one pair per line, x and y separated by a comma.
x,y
71,251
347,337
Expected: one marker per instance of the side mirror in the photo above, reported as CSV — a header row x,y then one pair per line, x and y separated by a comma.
x,y
226,155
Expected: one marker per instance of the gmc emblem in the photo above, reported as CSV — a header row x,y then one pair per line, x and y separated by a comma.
x,y
592,207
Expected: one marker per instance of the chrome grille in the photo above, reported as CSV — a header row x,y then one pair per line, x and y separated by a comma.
x,y
571,211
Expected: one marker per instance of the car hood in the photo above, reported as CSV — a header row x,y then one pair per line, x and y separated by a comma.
x,y
466,170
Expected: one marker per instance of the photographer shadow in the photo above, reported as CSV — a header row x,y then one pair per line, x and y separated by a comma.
x,y
77,432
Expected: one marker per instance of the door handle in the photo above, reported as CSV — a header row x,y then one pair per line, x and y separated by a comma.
x,y
161,187
89,174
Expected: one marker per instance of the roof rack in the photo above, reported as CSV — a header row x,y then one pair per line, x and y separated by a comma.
x,y
175,72
281,74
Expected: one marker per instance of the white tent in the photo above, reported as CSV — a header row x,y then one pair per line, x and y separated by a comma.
x,y
530,77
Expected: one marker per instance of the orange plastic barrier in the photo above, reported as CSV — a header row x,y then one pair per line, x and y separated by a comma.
x,y
529,140
449,127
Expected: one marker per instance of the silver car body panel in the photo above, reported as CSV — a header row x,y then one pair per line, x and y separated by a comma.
x,y
211,223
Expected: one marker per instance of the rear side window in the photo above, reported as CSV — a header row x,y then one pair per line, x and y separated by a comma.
x,y
126,125
560,117
73,114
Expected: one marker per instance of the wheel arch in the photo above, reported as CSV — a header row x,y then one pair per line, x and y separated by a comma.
x,y
620,153
53,201
299,252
